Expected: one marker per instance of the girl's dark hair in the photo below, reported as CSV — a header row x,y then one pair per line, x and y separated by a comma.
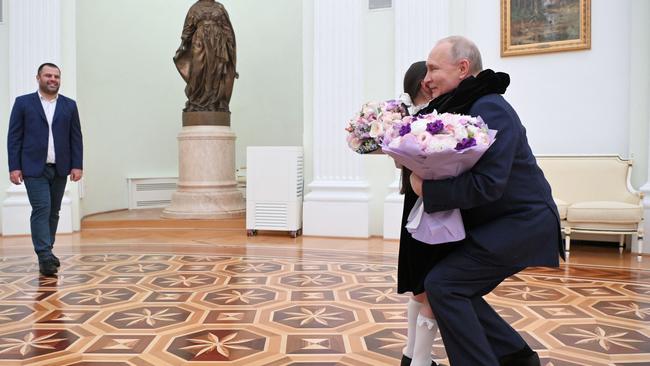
x,y
412,79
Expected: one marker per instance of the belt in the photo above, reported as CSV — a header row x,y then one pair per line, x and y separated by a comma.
x,y
51,165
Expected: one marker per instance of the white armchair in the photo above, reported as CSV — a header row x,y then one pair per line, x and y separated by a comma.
x,y
594,195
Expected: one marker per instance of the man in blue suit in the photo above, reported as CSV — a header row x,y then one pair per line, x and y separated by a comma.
x,y
44,147
509,215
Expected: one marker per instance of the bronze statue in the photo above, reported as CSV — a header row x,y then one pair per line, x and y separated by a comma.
x,y
206,58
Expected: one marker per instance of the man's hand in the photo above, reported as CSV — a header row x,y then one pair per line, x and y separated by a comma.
x,y
75,175
16,176
416,184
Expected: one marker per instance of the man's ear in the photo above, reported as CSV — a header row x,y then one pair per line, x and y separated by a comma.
x,y
463,68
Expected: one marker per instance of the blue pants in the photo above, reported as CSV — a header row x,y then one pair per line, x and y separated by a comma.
x,y
473,333
45,194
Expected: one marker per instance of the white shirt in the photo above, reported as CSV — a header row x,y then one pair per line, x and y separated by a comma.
x,y
49,106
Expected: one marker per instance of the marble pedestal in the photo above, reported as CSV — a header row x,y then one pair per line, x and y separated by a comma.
x,y
207,187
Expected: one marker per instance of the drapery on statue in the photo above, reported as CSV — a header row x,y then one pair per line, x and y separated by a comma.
x,y
206,58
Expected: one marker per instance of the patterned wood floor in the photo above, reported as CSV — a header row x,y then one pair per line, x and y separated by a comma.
x,y
278,307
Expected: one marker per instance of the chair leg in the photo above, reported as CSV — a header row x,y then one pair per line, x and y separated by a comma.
x,y
621,244
567,244
639,257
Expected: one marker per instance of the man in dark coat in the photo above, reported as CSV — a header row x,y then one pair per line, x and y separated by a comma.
x,y
44,146
509,215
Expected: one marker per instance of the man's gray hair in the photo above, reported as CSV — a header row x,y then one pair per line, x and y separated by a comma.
x,y
463,48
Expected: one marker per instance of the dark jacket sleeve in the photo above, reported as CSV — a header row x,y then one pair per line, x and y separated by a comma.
x,y
487,180
76,143
15,136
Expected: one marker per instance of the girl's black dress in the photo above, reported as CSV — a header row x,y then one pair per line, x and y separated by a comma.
x,y
415,258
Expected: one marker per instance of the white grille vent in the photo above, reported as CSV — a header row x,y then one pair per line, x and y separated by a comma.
x,y
148,187
271,215
153,203
380,4
150,192
299,176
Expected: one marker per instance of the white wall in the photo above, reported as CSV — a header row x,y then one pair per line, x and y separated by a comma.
x,y
4,102
131,96
570,102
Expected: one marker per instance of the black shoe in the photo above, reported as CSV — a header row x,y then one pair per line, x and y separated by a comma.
x,y
523,357
47,268
56,261
406,361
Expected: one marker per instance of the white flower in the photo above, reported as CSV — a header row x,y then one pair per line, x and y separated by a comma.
x,y
482,138
418,127
460,132
369,109
472,130
440,143
376,129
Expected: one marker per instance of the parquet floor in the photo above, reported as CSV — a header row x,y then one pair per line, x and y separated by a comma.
x,y
215,297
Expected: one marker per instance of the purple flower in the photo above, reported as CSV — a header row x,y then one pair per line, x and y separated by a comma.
x,y
404,130
465,143
435,127
392,105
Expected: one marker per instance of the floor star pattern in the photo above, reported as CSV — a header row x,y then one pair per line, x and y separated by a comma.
x,y
318,309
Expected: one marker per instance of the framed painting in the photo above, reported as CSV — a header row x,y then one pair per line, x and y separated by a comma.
x,y
539,26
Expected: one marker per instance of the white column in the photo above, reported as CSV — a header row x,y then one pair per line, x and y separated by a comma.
x,y
646,215
69,89
34,38
639,96
338,203
393,206
418,25
646,200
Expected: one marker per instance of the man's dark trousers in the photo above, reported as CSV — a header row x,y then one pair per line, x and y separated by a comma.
x,y
473,333
45,194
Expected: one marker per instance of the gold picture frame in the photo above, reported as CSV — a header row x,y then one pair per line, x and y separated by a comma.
x,y
540,26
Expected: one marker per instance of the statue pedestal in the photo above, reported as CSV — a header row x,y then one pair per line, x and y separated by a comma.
x,y
207,187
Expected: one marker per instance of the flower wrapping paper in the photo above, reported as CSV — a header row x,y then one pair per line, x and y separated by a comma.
x,y
434,161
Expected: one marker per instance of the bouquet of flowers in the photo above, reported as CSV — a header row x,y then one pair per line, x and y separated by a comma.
x,y
437,146
367,128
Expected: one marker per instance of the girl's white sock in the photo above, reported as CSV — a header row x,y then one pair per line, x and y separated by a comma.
x,y
412,312
425,334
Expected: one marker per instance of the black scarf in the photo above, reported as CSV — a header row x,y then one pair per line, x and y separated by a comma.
x,y
461,99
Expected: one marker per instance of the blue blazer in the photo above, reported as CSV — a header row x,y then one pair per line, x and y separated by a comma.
x,y
29,133
506,203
